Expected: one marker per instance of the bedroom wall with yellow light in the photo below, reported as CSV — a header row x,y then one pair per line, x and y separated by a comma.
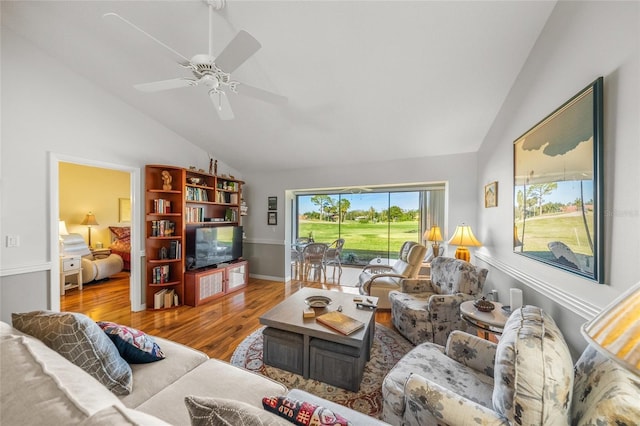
x,y
85,189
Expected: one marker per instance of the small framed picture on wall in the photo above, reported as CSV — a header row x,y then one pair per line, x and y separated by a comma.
x,y
491,194
272,203
272,218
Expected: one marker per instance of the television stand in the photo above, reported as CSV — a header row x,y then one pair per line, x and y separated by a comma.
x,y
204,285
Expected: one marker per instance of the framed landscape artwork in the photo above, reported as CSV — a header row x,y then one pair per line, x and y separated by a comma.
x,y
557,187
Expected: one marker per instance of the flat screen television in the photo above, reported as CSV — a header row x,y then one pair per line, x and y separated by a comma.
x,y
211,245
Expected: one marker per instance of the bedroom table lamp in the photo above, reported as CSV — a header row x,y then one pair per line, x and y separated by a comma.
x,y
89,221
616,330
434,235
62,230
464,237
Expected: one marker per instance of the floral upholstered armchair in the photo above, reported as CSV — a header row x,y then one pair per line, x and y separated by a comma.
x,y
526,378
428,310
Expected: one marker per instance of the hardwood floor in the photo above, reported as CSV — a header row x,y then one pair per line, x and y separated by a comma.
x,y
215,328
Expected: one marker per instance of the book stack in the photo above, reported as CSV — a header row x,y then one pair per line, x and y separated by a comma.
x,y
162,228
340,322
194,214
161,206
175,250
165,298
160,274
196,194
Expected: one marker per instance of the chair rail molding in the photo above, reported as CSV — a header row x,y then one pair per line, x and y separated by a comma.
x,y
263,241
25,269
567,300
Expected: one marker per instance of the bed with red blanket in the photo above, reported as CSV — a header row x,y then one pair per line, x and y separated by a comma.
x,y
121,244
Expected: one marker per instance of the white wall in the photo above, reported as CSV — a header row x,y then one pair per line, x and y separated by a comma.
x,y
581,41
49,109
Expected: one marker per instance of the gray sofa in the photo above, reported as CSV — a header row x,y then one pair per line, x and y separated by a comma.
x,y
40,386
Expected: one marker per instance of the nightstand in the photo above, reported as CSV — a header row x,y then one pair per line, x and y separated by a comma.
x,y
70,265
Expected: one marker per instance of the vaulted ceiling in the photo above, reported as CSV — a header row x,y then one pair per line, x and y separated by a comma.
x,y
365,80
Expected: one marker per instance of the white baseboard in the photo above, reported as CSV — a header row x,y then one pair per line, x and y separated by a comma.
x,y
266,277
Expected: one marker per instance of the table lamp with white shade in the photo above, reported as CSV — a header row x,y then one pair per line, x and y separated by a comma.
x,y
62,231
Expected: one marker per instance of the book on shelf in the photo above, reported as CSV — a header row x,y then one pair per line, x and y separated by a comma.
x,y
160,274
340,322
174,250
162,228
161,206
168,298
158,298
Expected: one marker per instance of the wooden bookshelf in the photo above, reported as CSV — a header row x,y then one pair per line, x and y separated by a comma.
x,y
194,198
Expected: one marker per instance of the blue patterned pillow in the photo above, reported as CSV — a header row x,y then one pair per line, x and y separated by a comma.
x,y
133,345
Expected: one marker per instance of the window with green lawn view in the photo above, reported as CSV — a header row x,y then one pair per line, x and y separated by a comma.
x,y
374,224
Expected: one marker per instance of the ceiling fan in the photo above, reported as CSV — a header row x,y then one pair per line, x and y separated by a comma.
x,y
214,73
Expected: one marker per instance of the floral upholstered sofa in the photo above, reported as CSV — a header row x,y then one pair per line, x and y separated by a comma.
x,y
527,378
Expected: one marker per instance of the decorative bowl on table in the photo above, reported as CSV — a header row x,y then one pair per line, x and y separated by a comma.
x,y
483,305
195,180
317,301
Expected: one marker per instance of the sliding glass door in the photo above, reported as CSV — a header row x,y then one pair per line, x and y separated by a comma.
x,y
374,224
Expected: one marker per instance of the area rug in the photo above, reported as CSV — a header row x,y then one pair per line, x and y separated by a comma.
x,y
388,347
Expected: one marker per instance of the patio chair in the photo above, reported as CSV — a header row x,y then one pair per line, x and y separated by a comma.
x,y
332,257
313,260
379,280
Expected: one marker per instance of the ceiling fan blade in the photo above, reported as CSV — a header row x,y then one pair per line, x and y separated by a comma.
x,y
221,103
117,19
174,83
263,95
237,52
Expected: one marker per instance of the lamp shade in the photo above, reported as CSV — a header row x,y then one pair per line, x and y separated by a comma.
x,y
433,234
90,220
616,330
62,228
464,237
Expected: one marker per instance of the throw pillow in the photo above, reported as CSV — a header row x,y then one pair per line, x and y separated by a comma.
x,y
216,412
301,412
122,233
79,339
134,346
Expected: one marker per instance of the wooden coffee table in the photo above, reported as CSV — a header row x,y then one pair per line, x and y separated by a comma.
x,y
306,333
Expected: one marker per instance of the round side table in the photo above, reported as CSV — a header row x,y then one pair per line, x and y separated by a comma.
x,y
488,322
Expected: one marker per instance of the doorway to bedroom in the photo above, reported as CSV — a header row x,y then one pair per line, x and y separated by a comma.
x,y
95,223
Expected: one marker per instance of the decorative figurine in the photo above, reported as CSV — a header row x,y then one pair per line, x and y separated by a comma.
x,y
166,180
210,165
215,167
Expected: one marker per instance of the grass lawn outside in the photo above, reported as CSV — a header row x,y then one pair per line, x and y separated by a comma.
x,y
363,241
